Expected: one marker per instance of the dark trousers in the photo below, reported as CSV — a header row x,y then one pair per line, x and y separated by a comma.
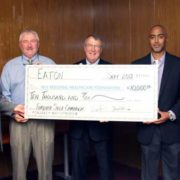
x,y
156,152
80,153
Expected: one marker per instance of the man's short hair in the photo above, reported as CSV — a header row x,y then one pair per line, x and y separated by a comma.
x,y
96,37
28,31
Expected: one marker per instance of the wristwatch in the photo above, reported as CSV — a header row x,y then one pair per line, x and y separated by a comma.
x,y
171,116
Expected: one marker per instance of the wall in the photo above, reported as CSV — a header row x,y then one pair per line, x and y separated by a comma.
x,y
124,24
63,24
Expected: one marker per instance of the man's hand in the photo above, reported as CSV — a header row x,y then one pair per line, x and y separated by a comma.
x,y
19,109
19,113
164,116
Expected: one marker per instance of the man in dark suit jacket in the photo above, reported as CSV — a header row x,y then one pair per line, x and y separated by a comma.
x,y
84,133
160,138
6,107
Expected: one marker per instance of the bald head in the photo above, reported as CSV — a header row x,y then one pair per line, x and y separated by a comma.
x,y
159,27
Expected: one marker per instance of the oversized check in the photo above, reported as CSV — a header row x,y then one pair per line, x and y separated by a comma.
x,y
91,92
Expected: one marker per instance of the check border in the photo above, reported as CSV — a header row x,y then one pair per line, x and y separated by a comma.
x,y
91,92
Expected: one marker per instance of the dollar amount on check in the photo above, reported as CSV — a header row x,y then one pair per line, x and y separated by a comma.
x,y
91,92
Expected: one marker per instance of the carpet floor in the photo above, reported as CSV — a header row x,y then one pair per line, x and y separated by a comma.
x,y
121,172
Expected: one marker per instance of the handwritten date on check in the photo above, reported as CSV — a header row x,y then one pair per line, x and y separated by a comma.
x,y
91,92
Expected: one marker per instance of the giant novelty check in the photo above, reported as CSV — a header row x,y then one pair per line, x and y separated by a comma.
x,y
91,92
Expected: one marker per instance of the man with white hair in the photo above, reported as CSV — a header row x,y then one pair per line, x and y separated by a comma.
x,y
38,134
86,133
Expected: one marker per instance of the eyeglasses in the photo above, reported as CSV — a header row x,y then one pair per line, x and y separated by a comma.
x,y
93,46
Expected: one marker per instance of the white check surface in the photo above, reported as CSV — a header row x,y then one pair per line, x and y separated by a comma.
x,y
91,92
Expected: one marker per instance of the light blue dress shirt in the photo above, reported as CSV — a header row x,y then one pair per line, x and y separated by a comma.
x,y
13,77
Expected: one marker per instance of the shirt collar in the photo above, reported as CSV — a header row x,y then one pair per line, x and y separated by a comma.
x,y
25,59
97,62
161,60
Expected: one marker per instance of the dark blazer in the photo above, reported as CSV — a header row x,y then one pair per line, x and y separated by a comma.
x,y
96,130
169,99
